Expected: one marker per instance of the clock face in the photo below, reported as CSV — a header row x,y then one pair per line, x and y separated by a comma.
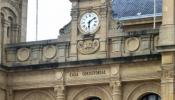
x,y
89,23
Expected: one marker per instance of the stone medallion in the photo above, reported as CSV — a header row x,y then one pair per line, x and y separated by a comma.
x,y
132,44
88,46
49,51
23,54
114,70
59,75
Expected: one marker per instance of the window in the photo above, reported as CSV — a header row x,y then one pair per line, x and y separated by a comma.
x,y
135,9
9,28
2,18
151,96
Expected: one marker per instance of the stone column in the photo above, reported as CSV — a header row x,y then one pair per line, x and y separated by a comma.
x,y
116,91
167,79
60,92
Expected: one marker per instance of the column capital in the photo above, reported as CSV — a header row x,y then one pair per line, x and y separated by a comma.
x,y
116,90
115,84
60,92
59,88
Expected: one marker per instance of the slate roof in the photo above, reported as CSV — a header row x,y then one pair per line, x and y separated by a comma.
x,y
132,9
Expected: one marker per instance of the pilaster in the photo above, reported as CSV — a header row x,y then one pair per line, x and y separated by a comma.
x,y
74,31
60,87
168,79
166,47
60,92
9,93
103,29
116,90
167,31
23,21
115,83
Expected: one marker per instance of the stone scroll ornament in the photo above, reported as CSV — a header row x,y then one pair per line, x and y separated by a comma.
x,y
88,46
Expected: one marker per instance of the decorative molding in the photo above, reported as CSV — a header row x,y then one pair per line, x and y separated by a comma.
x,y
88,46
38,94
92,91
23,54
141,89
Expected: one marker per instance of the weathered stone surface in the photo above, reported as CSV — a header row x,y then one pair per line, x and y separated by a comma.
x,y
119,61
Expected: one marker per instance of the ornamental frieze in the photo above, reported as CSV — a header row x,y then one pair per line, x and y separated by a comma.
x,y
88,46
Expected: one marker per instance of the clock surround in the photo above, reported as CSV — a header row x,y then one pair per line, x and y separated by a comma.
x,y
89,22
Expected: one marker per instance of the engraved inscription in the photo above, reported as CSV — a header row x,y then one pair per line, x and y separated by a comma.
x,y
87,73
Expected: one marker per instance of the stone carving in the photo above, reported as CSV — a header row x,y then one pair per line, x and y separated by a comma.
x,y
49,51
88,46
166,74
60,95
132,44
114,70
59,75
23,54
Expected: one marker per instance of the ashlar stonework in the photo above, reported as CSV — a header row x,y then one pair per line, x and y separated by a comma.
x,y
96,56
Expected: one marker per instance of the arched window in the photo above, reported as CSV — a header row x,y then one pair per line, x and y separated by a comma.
x,y
151,96
9,28
2,21
2,18
93,98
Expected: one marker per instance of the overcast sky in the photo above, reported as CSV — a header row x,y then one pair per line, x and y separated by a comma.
x,y
53,15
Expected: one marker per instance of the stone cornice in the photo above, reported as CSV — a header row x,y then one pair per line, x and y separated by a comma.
x,y
86,63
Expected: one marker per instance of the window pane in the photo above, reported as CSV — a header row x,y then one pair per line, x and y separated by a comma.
x,y
152,97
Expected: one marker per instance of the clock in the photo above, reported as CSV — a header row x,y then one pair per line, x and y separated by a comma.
x,y
89,23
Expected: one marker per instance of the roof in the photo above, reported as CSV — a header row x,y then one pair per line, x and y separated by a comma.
x,y
130,9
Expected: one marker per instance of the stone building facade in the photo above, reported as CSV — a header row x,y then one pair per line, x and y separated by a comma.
x,y
96,56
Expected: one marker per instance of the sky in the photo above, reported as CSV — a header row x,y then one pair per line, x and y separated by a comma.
x,y
52,15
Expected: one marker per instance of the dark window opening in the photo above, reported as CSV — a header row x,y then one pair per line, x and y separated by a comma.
x,y
151,96
93,98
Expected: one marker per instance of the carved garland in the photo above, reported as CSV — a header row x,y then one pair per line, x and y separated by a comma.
x,y
88,46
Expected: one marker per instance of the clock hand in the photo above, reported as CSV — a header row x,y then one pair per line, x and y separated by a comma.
x,y
92,19
89,22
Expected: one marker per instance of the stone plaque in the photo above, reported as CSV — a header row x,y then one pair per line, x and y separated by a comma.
x,y
132,44
49,51
88,46
23,54
87,73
